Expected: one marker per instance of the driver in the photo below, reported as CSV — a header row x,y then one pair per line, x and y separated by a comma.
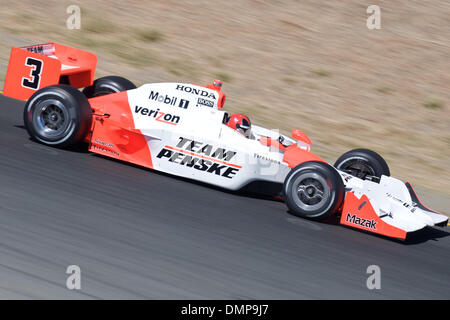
x,y
240,123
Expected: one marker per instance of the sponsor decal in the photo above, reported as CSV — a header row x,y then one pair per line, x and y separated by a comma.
x,y
158,115
183,104
202,157
260,157
354,219
102,146
36,49
205,102
408,206
347,177
106,144
171,101
196,91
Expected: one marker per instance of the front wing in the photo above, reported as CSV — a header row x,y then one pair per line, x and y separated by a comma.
x,y
390,208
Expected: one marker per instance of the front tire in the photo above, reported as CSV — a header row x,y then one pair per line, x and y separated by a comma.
x,y
363,164
58,116
313,190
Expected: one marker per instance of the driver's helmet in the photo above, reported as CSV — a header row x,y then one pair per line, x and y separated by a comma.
x,y
240,123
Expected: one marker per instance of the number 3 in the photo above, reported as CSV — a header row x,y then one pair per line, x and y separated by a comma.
x,y
35,74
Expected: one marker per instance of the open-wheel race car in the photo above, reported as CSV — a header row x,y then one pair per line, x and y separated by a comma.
x,y
182,129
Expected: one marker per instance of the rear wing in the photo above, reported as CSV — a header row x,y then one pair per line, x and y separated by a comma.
x,y
34,67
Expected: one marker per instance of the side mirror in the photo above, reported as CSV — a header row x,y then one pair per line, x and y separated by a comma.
x,y
300,136
303,141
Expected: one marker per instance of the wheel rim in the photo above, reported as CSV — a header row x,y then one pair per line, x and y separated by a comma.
x,y
310,191
51,118
358,167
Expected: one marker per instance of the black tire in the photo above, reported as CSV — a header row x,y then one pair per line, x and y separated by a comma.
x,y
313,190
108,85
363,164
58,116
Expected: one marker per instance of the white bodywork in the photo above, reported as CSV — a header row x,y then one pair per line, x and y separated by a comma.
x,y
186,136
198,131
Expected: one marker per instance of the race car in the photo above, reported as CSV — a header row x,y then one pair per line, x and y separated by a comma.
x,y
182,129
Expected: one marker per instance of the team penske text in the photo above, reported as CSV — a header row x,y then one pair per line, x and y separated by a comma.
x,y
201,156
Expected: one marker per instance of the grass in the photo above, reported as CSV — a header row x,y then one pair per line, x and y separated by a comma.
x,y
20,23
384,89
225,77
23,18
311,85
289,80
321,73
86,42
98,25
128,53
216,61
2,80
135,56
433,104
149,35
180,67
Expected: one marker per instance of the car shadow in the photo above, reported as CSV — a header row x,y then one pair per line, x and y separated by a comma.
x,y
247,192
418,237
426,234
421,236
79,148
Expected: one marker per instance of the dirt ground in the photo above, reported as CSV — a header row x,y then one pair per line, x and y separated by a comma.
x,y
312,65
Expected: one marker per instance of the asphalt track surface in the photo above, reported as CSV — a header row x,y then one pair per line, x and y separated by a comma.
x,y
139,234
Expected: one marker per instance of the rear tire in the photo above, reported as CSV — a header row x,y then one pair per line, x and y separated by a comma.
x,y
313,190
362,163
108,85
58,116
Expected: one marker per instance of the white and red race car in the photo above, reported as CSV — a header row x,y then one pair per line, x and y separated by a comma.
x,y
181,129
